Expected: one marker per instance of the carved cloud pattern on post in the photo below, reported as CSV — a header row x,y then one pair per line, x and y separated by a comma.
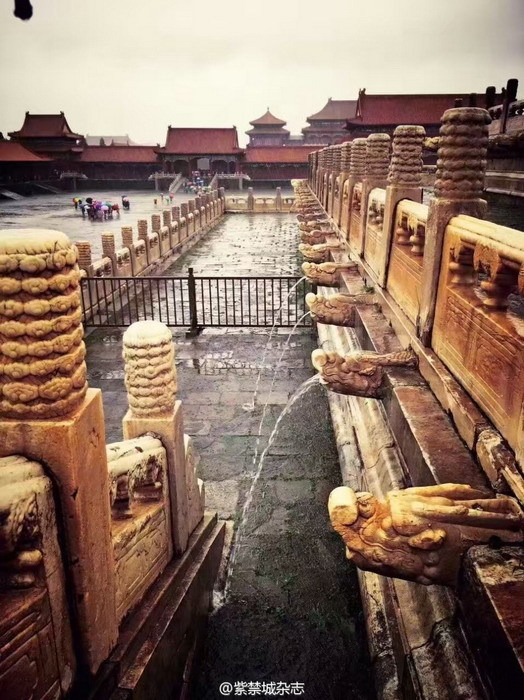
x,y
150,375
42,368
406,164
462,151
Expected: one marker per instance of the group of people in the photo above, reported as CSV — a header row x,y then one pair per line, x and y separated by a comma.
x,y
168,199
197,184
96,210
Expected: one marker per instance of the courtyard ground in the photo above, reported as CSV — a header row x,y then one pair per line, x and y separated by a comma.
x,y
292,613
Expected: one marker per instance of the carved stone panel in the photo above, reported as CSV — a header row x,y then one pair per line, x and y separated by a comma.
x,y
141,530
355,217
195,486
36,659
479,339
375,238
405,263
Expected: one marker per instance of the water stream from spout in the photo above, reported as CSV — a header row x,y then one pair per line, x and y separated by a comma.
x,y
221,598
275,371
250,406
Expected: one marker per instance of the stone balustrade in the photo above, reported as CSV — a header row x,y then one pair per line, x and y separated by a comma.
x,y
451,279
170,235
422,346
87,529
259,205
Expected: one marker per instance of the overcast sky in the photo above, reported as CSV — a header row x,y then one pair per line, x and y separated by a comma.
x,y
135,66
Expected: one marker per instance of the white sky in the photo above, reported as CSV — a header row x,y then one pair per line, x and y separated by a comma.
x,y
135,66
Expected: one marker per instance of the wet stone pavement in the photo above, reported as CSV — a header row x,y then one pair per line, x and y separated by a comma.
x,y
293,611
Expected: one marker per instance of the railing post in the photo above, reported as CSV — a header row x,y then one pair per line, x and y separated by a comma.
x,y
194,328
461,168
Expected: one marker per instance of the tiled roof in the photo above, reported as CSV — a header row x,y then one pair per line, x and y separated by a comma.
x,y
122,140
268,119
279,154
326,128
405,109
13,152
336,110
45,126
261,130
201,141
119,154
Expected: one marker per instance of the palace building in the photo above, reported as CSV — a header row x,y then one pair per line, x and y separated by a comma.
x,y
267,130
276,164
49,135
119,162
210,149
383,113
328,126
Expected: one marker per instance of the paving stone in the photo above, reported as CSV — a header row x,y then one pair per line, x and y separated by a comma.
x,y
222,496
236,398
275,398
294,490
205,398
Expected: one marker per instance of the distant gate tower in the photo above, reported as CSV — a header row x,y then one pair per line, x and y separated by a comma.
x,y
268,130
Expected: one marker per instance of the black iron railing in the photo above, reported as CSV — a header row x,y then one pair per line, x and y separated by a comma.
x,y
195,302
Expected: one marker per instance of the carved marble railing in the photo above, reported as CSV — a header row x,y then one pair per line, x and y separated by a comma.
x,y
447,328
167,233
479,321
404,277
151,251
355,217
374,238
37,658
259,205
141,519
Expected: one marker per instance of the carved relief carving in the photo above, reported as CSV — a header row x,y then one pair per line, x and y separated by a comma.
x,y
326,273
42,369
337,309
376,214
502,278
358,373
141,532
35,638
20,554
136,472
356,200
150,375
420,534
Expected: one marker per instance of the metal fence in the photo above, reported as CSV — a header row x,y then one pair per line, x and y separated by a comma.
x,y
195,302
